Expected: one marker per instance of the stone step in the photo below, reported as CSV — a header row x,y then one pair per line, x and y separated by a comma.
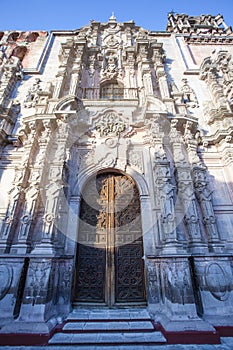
x,y
108,314
143,338
107,326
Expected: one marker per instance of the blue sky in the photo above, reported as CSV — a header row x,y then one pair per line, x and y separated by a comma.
x,y
73,14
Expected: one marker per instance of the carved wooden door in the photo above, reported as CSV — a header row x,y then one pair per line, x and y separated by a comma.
x,y
109,266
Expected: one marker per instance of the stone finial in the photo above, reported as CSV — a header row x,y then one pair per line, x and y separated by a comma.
x,y
112,18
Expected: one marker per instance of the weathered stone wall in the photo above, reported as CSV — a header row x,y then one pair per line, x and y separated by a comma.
x,y
157,106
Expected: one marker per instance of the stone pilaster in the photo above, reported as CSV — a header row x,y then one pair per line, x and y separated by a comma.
x,y
17,193
28,213
65,55
11,72
143,60
158,58
76,68
53,190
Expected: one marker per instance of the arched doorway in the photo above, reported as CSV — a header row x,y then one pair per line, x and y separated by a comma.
x,y
109,263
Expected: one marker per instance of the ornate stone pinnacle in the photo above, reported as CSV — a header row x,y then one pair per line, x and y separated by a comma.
x,y
112,18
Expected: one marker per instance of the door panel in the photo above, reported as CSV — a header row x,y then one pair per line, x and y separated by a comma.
x,y
109,265
91,274
129,281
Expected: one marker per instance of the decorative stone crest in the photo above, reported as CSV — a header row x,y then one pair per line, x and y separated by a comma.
x,y
110,124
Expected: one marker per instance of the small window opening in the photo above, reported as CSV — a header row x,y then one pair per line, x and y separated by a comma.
x,y
112,91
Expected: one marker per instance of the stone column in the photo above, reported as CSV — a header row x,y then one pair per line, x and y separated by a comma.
x,y
32,191
130,65
12,71
226,149
162,80
209,73
144,66
157,59
203,194
186,190
64,57
165,191
46,295
147,226
73,225
53,190
77,68
17,193
191,215
202,191
147,80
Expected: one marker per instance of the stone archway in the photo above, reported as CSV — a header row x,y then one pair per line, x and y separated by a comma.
x,y
109,264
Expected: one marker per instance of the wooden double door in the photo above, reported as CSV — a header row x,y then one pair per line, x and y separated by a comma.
x,y
109,263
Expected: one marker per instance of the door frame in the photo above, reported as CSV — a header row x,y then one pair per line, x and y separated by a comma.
x,y
143,194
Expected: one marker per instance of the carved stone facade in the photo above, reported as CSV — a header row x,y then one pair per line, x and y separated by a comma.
x,y
115,102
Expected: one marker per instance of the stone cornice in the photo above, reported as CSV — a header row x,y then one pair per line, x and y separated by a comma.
x,y
218,136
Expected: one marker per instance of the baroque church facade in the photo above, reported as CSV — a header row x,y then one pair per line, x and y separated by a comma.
x,y
116,162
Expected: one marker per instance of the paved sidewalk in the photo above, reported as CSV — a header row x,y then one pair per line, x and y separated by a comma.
x,y
226,344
